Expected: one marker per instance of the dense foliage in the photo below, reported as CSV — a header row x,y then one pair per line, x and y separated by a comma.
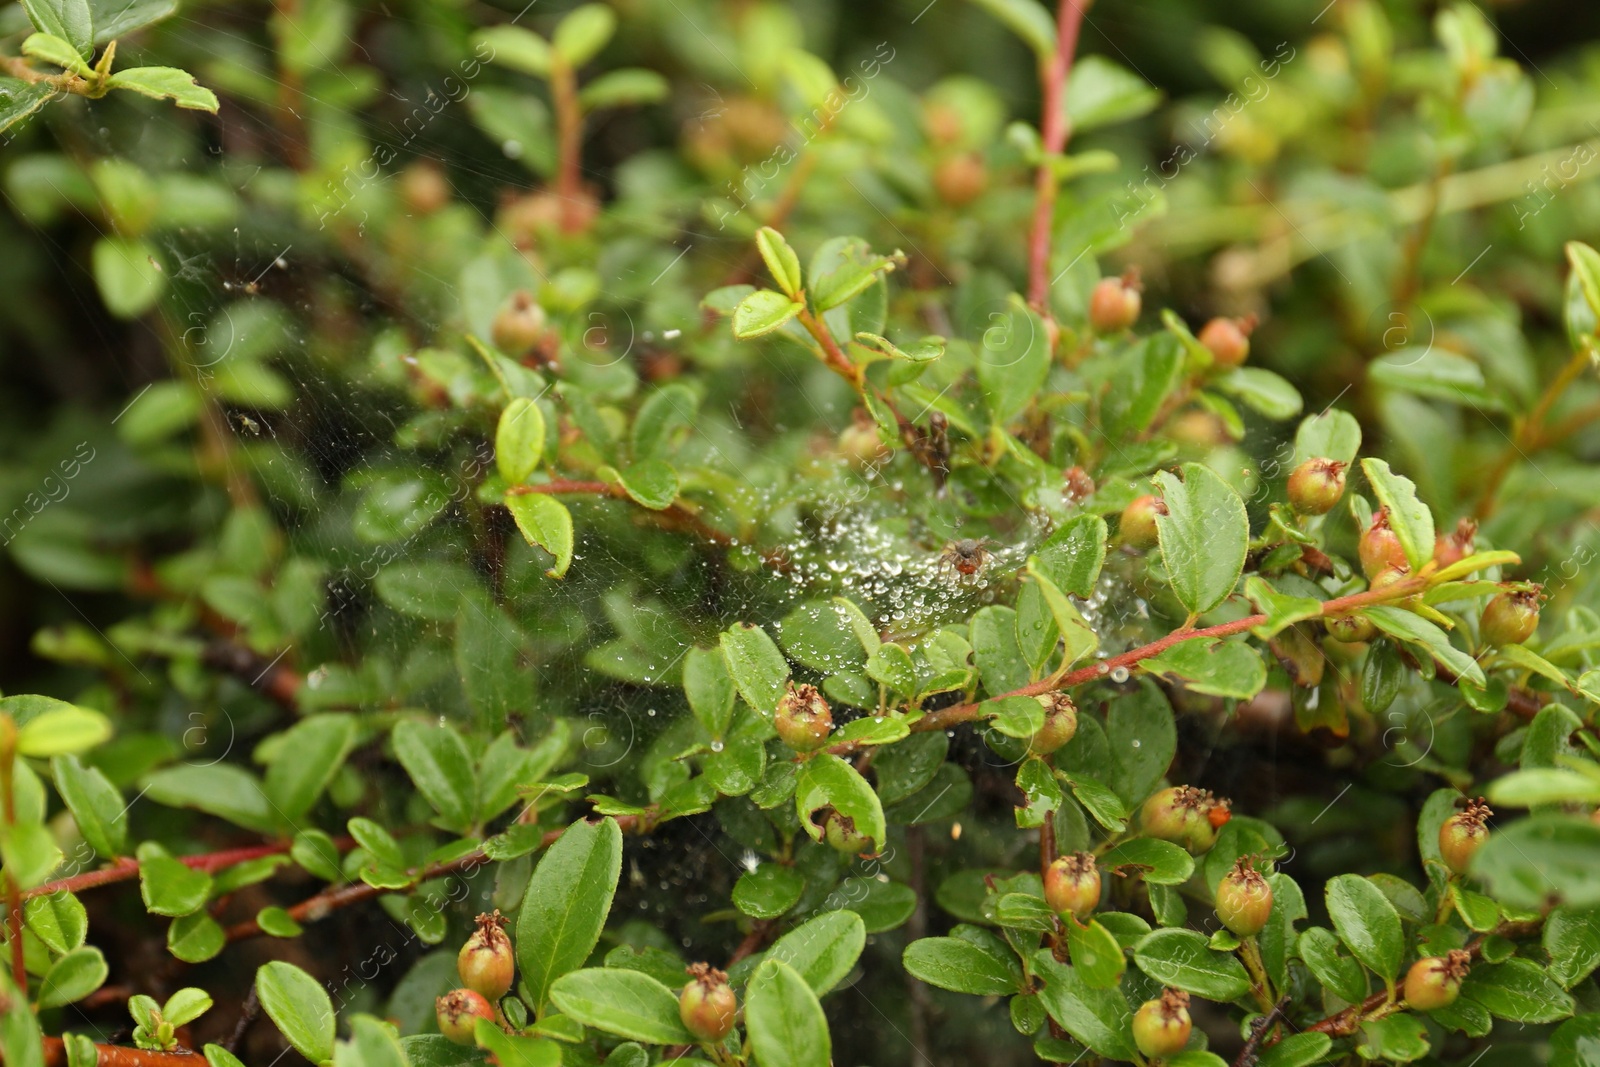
x,y
726,531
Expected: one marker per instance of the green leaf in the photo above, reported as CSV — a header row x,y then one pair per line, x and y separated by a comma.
x,y
299,1007
1574,1042
519,440
1263,391
1332,434
1223,668
1182,959
566,904
1409,626
822,950
118,18
73,977
1158,862
762,312
1100,801
785,1021
651,483
1571,937
96,805
758,669
1280,609
1204,536
71,20
1519,990
546,522
842,268
827,781
1101,93
186,1005
1541,859
1096,1017
1543,785
781,261
768,891
19,1027
1393,1039
891,665
1438,374
372,1043
1096,955
19,99
58,919
312,751
195,938
1410,517
628,87
1297,1050
1013,361
975,962
440,766
222,789
709,689
62,730
581,35
1366,922
627,1003
1071,557
516,47
168,886
1339,974
53,49
128,275
1027,19
166,83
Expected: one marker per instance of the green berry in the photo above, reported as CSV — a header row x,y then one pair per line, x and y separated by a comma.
x,y
1244,899
1161,1027
1060,724
1072,885
707,1004
1316,486
486,962
1463,834
1510,618
803,719
1435,981
1138,526
459,1011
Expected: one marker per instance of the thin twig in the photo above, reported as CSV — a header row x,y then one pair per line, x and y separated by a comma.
x,y
1054,129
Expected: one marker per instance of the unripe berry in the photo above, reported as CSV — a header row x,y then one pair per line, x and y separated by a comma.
x,y
1316,486
518,326
1185,816
839,830
1510,618
459,1011
803,718
1161,1027
860,443
961,179
1215,812
1138,527
1463,834
1076,484
486,962
1456,545
1244,899
1349,628
1114,303
1387,577
1060,724
424,187
707,1004
1228,339
1380,546
1435,981
1072,886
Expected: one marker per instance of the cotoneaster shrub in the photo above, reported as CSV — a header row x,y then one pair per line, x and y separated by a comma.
x,y
665,533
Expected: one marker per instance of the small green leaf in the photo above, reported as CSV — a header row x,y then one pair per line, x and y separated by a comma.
x,y
1393,1039
651,483
1096,1017
628,87
519,440
566,904
975,962
1297,1050
781,261
1409,517
709,689
73,977
439,764
785,1020
70,20
828,781
1367,922
1095,954
299,1006
64,729
58,919
822,950
585,30
757,667
312,752
166,83
516,47
1223,668
186,1005
53,49
1183,960
762,312
1073,554
195,938
546,522
1409,626
1158,862
128,275
1519,990
624,1002
768,891
1204,536
96,805
168,886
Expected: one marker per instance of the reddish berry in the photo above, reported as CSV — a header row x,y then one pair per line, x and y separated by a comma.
x,y
1077,485
1316,486
459,1011
424,187
961,179
1435,981
1455,546
1072,886
1380,546
1114,303
1387,577
519,325
707,1004
1510,618
1161,1027
486,962
1060,724
1244,899
1350,628
1138,528
839,830
1185,816
1214,815
803,719
1228,339
1463,834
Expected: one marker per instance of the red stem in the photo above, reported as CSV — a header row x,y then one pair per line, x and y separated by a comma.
x,y
125,869
1054,130
55,1055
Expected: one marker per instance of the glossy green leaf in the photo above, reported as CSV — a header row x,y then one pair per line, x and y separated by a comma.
x,y
822,950
545,522
1409,517
1366,922
1183,960
440,766
785,1021
627,1003
566,904
762,312
519,440
299,1007
1204,536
